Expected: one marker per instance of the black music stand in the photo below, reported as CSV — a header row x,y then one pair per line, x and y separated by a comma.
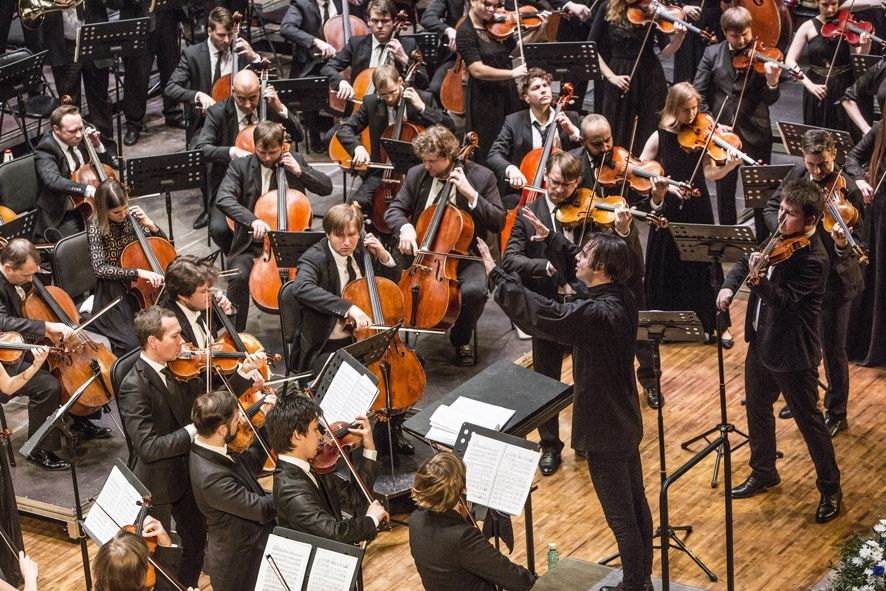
x,y
401,154
760,182
428,44
15,79
289,246
113,40
571,61
22,226
315,543
165,173
792,138
303,94
863,62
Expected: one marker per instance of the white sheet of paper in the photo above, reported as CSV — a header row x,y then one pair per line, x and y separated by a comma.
x,y
349,395
483,414
290,556
331,571
116,505
499,475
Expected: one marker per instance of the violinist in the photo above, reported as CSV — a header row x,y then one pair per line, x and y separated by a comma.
x,y
155,409
310,502
718,82
450,553
784,347
248,179
109,233
224,121
858,98
475,192
239,513
844,281
377,112
18,265
526,130
57,156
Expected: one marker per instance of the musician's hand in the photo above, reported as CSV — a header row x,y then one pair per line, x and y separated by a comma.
x,y
245,49
412,96
253,362
519,71
623,219
142,218
153,279
327,51
345,91
449,38
364,431
488,261
623,83
259,230
58,331
733,160
290,164
679,31
563,121
395,48
224,303
361,156
819,91
541,230
580,11
153,527
839,237
723,128
361,320
29,570
660,187
724,299
95,137
545,17
40,354
772,73
204,100
867,191
757,259
515,177
269,403
376,510
373,245
273,100
461,183
693,13
239,152
408,239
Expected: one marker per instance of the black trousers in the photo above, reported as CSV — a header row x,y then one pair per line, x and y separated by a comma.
x,y
727,214
363,194
68,79
238,285
474,292
190,525
221,233
71,223
43,393
547,359
618,481
800,389
834,331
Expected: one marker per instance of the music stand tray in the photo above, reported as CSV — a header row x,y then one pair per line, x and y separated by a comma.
x,y
22,226
428,44
863,62
702,242
792,138
401,154
113,39
303,94
684,327
760,182
289,246
17,77
570,61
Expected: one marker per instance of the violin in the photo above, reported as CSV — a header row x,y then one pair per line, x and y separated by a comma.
x,y
192,360
224,85
430,285
336,31
363,84
665,17
843,25
151,253
758,54
778,249
838,211
505,22
400,373
6,214
152,542
245,140
585,204
619,162
13,347
326,460
702,134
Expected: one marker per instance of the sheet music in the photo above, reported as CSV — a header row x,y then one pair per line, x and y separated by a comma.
x,y
349,395
291,557
447,420
116,505
331,571
499,475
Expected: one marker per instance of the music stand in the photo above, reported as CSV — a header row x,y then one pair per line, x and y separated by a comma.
x,y
428,44
571,61
792,138
863,62
165,173
303,94
760,182
401,154
113,40
15,79
22,226
289,246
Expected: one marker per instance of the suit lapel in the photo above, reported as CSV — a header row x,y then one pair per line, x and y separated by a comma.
x,y
232,126
332,269
170,394
253,192
204,66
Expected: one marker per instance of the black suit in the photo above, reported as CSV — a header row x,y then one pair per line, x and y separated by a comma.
x,y
489,218
302,506
357,55
236,199
437,17
301,24
451,554
187,331
783,357
239,514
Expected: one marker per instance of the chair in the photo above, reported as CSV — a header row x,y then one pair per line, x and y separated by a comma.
x,y
72,268
18,184
119,371
289,317
38,105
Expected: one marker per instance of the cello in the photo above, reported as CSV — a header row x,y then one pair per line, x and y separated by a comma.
x,y
337,30
92,173
363,84
152,253
533,166
452,90
430,286
400,373
224,85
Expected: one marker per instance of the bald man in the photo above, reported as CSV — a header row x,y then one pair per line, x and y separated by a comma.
x,y
224,120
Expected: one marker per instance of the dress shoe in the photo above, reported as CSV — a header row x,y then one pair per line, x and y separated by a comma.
x,y
48,460
752,486
201,221
550,461
728,342
404,447
828,507
87,430
653,397
834,425
785,413
464,356
176,122
130,138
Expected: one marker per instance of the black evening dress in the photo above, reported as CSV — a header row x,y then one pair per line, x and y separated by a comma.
x,y
828,113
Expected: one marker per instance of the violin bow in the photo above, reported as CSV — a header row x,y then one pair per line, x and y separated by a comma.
x,y
245,416
97,315
839,41
707,143
276,570
624,181
584,223
519,33
8,541
744,84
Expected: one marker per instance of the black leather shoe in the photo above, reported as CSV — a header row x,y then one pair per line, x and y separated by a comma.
x,y
828,507
653,398
176,122
130,138
728,343
87,430
404,447
752,486
48,461
834,426
201,220
464,356
785,413
550,461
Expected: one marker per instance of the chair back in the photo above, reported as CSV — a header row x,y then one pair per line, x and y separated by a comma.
x,y
18,184
121,368
290,313
72,267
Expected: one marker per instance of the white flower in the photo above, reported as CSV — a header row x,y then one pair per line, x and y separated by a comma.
x,y
857,561
880,527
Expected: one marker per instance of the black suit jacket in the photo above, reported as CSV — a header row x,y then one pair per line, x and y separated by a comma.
x,y
451,554
302,507
300,26
718,82
319,305
787,336
154,420
514,141
358,53
239,514
220,132
241,188
439,15
488,215
373,114
11,319
187,331
53,33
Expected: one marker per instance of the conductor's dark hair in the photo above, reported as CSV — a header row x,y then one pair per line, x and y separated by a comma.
x,y
806,194
292,414
18,252
186,273
149,323
212,410
611,253
816,141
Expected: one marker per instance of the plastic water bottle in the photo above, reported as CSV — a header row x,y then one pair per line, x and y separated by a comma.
x,y
553,556
7,155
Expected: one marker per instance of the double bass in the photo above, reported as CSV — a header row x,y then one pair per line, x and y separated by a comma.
x,y
223,87
151,253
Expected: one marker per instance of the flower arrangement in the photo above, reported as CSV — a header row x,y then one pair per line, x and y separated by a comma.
x,y
863,563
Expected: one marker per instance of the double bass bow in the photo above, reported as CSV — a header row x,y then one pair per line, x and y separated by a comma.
x,y
151,253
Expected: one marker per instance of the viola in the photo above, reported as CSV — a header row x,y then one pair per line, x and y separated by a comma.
x,y
778,249
505,22
336,32
843,25
151,253
224,85
840,212
363,84
430,285
245,140
585,205
665,17
702,134
758,54
619,165
13,346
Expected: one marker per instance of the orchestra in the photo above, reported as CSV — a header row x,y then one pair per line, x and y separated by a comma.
x,y
550,192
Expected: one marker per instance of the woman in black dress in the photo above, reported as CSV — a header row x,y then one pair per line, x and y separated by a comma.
x,y
109,233
673,284
618,45
858,98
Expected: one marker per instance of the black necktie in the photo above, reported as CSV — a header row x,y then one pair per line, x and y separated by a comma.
x,y
175,400
77,162
216,74
81,11
325,10
541,130
272,186
352,271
